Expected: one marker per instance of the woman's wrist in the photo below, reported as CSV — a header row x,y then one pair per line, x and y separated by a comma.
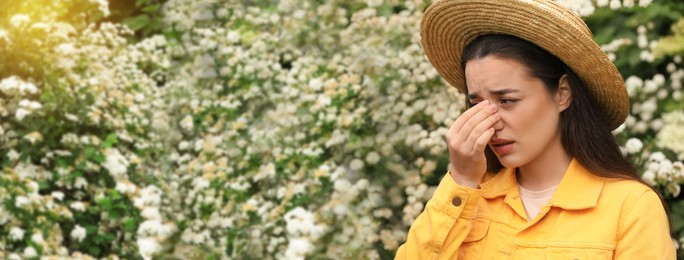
x,y
460,180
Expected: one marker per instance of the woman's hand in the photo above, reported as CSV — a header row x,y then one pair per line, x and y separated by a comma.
x,y
467,138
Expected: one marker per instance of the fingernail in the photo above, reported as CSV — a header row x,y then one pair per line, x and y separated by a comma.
x,y
492,108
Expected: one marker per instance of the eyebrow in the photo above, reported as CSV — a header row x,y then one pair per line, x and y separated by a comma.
x,y
497,92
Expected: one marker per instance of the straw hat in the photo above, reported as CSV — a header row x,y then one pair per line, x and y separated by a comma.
x,y
449,25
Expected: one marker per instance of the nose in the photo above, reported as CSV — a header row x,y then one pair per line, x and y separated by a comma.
x,y
499,125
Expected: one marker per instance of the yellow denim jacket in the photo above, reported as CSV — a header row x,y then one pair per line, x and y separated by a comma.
x,y
588,217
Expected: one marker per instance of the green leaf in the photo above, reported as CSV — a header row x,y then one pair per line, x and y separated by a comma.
x,y
130,225
138,22
90,229
110,141
114,214
151,9
94,250
105,203
43,185
115,195
89,152
99,158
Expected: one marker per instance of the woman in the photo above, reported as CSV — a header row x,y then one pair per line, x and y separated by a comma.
x,y
543,99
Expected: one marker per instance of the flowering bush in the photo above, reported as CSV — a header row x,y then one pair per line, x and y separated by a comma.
x,y
273,130
77,118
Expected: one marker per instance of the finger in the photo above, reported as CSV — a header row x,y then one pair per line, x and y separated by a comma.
x,y
476,119
463,118
483,140
481,129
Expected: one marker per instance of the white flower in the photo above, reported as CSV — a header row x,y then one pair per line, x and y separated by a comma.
x,y
78,206
356,164
674,189
103,6
646,55
615,4
13,155
30,252
587,10
80,183
125,187
149,196
150,227
628,3
297,248
342,185
633,145
71,117
649,177
19,20
116,164
148,247
21,201
58,195
315,84
644,3
653,167
22,113
633,83
372,158
78,233
186,123
233,36
150,213
16,234
301,222
37,237
3,35
34,137
657,156
33,105
4,216
678,168
671,135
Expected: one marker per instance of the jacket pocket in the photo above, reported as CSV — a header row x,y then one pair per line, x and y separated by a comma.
x,y
478,231
473,245
580,251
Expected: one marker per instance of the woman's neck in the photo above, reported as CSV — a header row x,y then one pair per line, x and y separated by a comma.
x,y
546,170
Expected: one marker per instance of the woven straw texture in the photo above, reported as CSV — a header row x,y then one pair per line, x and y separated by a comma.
x,y
449,25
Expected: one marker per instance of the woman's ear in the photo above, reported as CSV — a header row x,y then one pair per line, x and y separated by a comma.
x,y
564,93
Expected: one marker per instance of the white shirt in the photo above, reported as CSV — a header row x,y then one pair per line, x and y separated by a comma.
x,y
534,200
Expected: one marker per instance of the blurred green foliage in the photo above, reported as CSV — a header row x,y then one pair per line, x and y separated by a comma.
x,y
608,25
142,16
672,44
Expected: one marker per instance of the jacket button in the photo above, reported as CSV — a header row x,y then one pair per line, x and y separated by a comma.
x,y
456,201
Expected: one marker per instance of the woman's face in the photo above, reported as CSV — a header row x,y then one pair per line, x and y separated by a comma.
x,y
529,124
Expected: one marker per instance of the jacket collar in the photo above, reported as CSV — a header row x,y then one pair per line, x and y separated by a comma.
x,y
579,188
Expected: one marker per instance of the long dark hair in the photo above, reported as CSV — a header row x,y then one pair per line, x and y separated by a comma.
x,y
584,133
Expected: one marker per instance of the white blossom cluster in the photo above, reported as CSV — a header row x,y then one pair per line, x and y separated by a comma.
x,y
273,114
73,134
659,169
648,116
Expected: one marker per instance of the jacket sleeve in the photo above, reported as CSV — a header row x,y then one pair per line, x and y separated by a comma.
x,y
644,232
440,229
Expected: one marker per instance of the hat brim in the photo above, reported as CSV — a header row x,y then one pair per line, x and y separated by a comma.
x,y
448,26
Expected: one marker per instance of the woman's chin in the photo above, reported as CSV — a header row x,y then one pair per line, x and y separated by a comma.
x,y
509,161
